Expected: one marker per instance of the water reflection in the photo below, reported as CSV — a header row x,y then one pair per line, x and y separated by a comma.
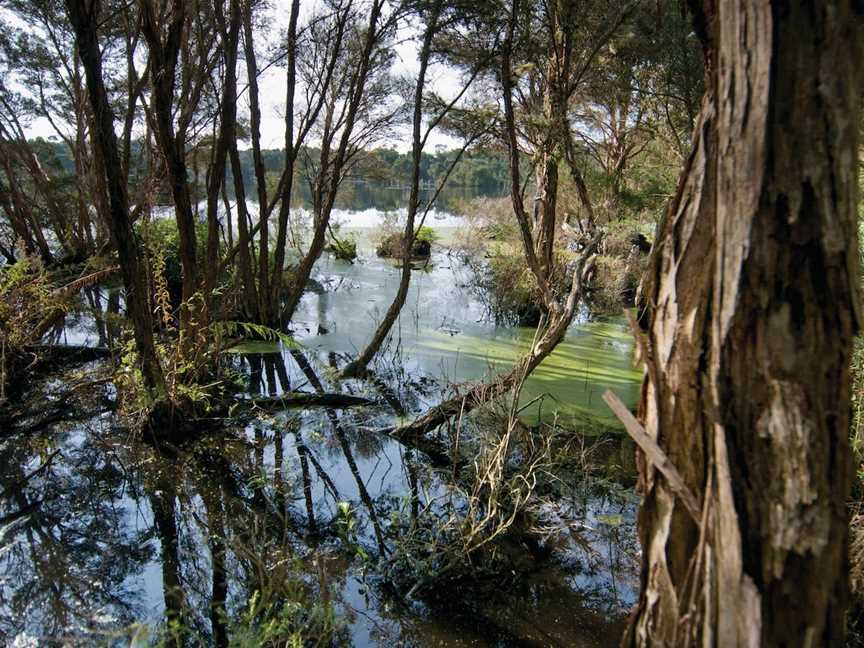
x,y
104,539
102,532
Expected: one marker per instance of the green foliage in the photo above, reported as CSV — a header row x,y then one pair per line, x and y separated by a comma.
x,y
509,288
346,526
196,380
290,624
24,301
343,249
289,618
24,298
238,332
427,235
391,246
161,239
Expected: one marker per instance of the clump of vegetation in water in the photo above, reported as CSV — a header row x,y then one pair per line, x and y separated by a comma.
x,y
491,242
22,303
343,249
391,246
505,283
32,300
282,614
491,509
618,267
277,621
498,517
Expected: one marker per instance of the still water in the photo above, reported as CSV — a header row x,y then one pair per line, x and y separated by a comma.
x,y
104,537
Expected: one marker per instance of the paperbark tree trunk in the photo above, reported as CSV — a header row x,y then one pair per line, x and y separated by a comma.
x,y
84,18
750,308
163,55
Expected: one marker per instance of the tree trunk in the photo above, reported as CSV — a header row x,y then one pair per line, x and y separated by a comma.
x,y
332,177
359,365
230,32
545,208
751,306
258,166
244,243
290,157
84,20
162,62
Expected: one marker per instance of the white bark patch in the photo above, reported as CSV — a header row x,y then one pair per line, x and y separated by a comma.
x,y
796,522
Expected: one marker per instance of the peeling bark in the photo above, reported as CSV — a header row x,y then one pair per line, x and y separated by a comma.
x,y
750,308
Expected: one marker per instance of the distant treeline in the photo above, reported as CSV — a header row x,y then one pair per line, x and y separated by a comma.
x,y
380,178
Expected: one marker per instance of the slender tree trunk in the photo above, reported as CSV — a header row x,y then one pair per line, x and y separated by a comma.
x,y
290,158
549,334
751,305
84,16
216,171
258,165
358,365
333,175
244,236
163,67
21,219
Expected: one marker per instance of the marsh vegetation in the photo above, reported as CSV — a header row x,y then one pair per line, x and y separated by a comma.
x,y
324,323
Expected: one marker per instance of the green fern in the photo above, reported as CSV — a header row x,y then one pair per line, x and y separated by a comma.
x,y
246,330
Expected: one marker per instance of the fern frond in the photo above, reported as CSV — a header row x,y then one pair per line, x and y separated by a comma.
x,y
86,281
231,328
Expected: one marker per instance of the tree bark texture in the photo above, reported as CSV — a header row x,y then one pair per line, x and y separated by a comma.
x,y
84,17
749,308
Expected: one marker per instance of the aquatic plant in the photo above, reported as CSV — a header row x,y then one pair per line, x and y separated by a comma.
x,y
344,249
391,246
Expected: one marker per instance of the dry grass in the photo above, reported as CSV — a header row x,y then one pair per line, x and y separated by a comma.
x,y
856,552
615,280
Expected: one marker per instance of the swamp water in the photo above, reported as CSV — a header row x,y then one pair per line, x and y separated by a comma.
x,y
310,518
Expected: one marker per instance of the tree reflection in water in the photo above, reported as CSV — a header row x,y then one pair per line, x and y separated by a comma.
x,y
101,532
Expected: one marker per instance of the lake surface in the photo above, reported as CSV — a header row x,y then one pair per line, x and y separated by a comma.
x,y
103,536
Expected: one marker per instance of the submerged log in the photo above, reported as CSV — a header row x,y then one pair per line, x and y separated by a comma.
x,y
548,335
57,353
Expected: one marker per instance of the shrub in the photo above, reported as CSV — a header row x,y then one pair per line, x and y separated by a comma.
x,y
344,249
391,246
615,281
509,288
427,234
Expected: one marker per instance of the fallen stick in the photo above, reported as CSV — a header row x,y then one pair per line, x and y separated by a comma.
x,y
655,454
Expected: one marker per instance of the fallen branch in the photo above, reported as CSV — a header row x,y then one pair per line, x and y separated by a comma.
x,y
49,353
655,455
67,291
549,333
